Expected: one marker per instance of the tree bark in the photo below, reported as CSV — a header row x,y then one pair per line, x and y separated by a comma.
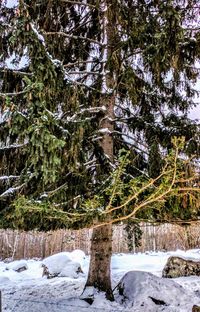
x,y
101,251
99,275
101,243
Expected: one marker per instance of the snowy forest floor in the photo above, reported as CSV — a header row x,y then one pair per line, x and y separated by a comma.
x,y
28,291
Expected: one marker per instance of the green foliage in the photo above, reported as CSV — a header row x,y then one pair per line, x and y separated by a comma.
x,y
120,198
26,214
55,106
45,149
150,198
155,160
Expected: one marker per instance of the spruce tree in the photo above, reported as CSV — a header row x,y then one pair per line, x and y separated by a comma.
x,y
97,76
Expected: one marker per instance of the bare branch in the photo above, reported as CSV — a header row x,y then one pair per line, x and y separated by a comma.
x,y
62,33
83,85
192,28
18,72
84,72
50,193
13,93
82,62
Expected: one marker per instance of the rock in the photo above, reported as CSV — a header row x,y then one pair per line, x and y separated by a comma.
x,y
176,267
147,292
46,272
18,266
60,265
195,308
54,264
23,268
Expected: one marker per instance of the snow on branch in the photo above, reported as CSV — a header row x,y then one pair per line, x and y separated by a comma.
x,y
12,191
4,178
58,63
85,110
104,131
12,146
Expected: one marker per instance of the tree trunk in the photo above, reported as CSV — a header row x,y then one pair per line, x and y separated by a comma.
x,y
101,243
101,251
99,276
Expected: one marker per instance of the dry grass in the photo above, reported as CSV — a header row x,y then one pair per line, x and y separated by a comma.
x,y
17,245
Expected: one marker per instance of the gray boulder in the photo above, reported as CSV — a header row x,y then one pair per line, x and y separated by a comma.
x,y
145,292
177,267
18,266
61,265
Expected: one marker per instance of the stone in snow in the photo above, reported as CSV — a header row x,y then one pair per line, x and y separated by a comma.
x,y
177,267
151,293
60,264
18,265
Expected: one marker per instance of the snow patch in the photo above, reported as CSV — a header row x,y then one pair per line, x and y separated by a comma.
x,y
4,279
29,292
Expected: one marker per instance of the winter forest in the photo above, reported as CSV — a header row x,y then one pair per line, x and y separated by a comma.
x,y
100,130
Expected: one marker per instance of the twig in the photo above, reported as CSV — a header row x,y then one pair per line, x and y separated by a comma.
x,y
13,93
84,72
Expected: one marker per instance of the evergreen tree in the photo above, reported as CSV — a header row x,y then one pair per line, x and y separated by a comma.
x,y
97,76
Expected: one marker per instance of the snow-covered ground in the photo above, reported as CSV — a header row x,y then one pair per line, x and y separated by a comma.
x,y
28,291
